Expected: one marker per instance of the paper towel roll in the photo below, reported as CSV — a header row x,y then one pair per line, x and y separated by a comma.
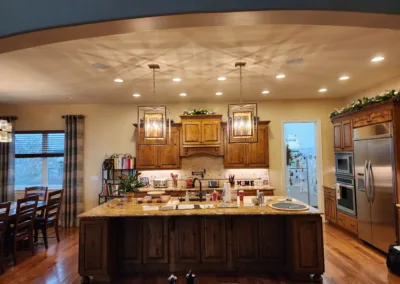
x,y
227,189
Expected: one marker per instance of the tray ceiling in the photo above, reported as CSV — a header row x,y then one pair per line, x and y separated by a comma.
x,y
311,57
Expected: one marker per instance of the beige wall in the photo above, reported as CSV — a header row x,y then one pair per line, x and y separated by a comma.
x,y
376,90
109,130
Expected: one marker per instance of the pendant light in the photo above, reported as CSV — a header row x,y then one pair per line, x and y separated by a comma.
x,y
5,131
242,118
152,120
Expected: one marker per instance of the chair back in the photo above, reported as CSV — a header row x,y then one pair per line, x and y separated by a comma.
x,y
37,190
54,205
26,212
4,212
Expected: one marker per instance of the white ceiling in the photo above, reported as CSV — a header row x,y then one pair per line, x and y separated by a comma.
x,y
63,72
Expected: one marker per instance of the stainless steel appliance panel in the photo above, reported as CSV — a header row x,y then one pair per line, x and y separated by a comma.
x,y
344,163
382,192
362,198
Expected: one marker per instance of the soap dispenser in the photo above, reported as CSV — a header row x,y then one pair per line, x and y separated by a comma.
x,y
187,196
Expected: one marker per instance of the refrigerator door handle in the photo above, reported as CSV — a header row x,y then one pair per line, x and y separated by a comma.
x,y
371,180
366,179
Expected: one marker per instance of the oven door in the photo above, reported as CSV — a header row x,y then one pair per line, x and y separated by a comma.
x,y
344,164
346,198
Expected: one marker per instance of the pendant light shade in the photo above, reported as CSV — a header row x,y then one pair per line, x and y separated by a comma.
x,y
153,125
242,118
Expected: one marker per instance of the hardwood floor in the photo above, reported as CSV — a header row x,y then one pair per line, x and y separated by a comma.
x,y
346,260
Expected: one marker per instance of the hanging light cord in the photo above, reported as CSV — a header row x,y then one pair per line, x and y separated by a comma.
x,y
154,84
240,70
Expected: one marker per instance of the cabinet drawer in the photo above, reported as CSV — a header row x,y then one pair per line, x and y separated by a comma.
x,y
341,220
352,225
380,116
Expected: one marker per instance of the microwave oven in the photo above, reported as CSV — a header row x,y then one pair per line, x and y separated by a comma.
x,y
344,164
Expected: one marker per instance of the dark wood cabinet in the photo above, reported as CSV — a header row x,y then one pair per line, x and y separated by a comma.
x,y
187,240
213,240
330,205
272,240
155,241
343,136
347,222
245,239
149,157
254,155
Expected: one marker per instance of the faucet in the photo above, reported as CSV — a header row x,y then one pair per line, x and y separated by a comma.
x,y
201,190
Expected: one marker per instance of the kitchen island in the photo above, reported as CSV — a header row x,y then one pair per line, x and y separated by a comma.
x,y
119,239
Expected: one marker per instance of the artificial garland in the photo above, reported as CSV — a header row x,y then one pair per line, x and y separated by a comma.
x,y
197,111
360,103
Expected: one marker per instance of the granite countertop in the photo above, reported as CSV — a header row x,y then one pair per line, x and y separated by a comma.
x,y
150,188
133,209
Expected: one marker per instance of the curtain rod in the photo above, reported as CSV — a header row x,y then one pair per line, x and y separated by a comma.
x,y
76,115
8,117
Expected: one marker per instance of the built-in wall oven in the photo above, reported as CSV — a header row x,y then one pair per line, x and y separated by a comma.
x,y
344,163
345,194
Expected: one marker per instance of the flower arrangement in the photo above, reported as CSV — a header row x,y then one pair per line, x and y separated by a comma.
x,y
360,103
197,111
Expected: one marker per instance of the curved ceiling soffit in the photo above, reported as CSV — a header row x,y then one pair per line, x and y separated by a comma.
x,y
329,18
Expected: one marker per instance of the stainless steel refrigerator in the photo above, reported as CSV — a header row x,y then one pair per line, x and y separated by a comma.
x,y
375,186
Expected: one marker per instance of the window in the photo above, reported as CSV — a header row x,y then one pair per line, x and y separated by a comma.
x,y
39,159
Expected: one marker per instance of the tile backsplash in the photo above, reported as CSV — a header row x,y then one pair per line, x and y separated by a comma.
x,y
214,167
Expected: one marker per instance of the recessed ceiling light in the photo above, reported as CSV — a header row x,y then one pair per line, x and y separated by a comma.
x,y
344,78
136,95
183,94
280,76
218,93
377,58
322,90
118,80
221,78
265,92
177,79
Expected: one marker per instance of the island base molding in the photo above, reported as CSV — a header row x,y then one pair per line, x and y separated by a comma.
x,y
117,247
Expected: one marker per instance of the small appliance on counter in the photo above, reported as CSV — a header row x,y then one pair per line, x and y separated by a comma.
x,y
213,184
160,183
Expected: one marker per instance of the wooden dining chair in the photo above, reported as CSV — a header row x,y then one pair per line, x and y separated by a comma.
x,y
37,190
24,223
50,218
4,212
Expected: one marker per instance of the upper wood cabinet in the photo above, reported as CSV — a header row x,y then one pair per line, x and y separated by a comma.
x,y
343,135
201,130
254,155
149,157
372,117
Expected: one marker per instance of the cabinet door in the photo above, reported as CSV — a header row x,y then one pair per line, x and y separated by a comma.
x,y
187,240
235,155
347,133
213,240
211,131
361,120
146,155
191,132
272,239
330,209
257,153
168,155
155,240
337,136
245,239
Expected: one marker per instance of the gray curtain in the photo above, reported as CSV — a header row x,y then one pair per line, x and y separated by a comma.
x,y
73,201
7,164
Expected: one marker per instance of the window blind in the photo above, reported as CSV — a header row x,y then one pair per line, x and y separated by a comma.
x,y
39,144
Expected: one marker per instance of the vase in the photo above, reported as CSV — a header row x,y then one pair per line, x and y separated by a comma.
x,y
129,196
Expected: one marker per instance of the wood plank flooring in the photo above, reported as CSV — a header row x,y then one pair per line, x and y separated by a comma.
x,y
347,261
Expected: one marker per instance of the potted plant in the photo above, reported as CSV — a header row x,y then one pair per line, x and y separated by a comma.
x,y
128,185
